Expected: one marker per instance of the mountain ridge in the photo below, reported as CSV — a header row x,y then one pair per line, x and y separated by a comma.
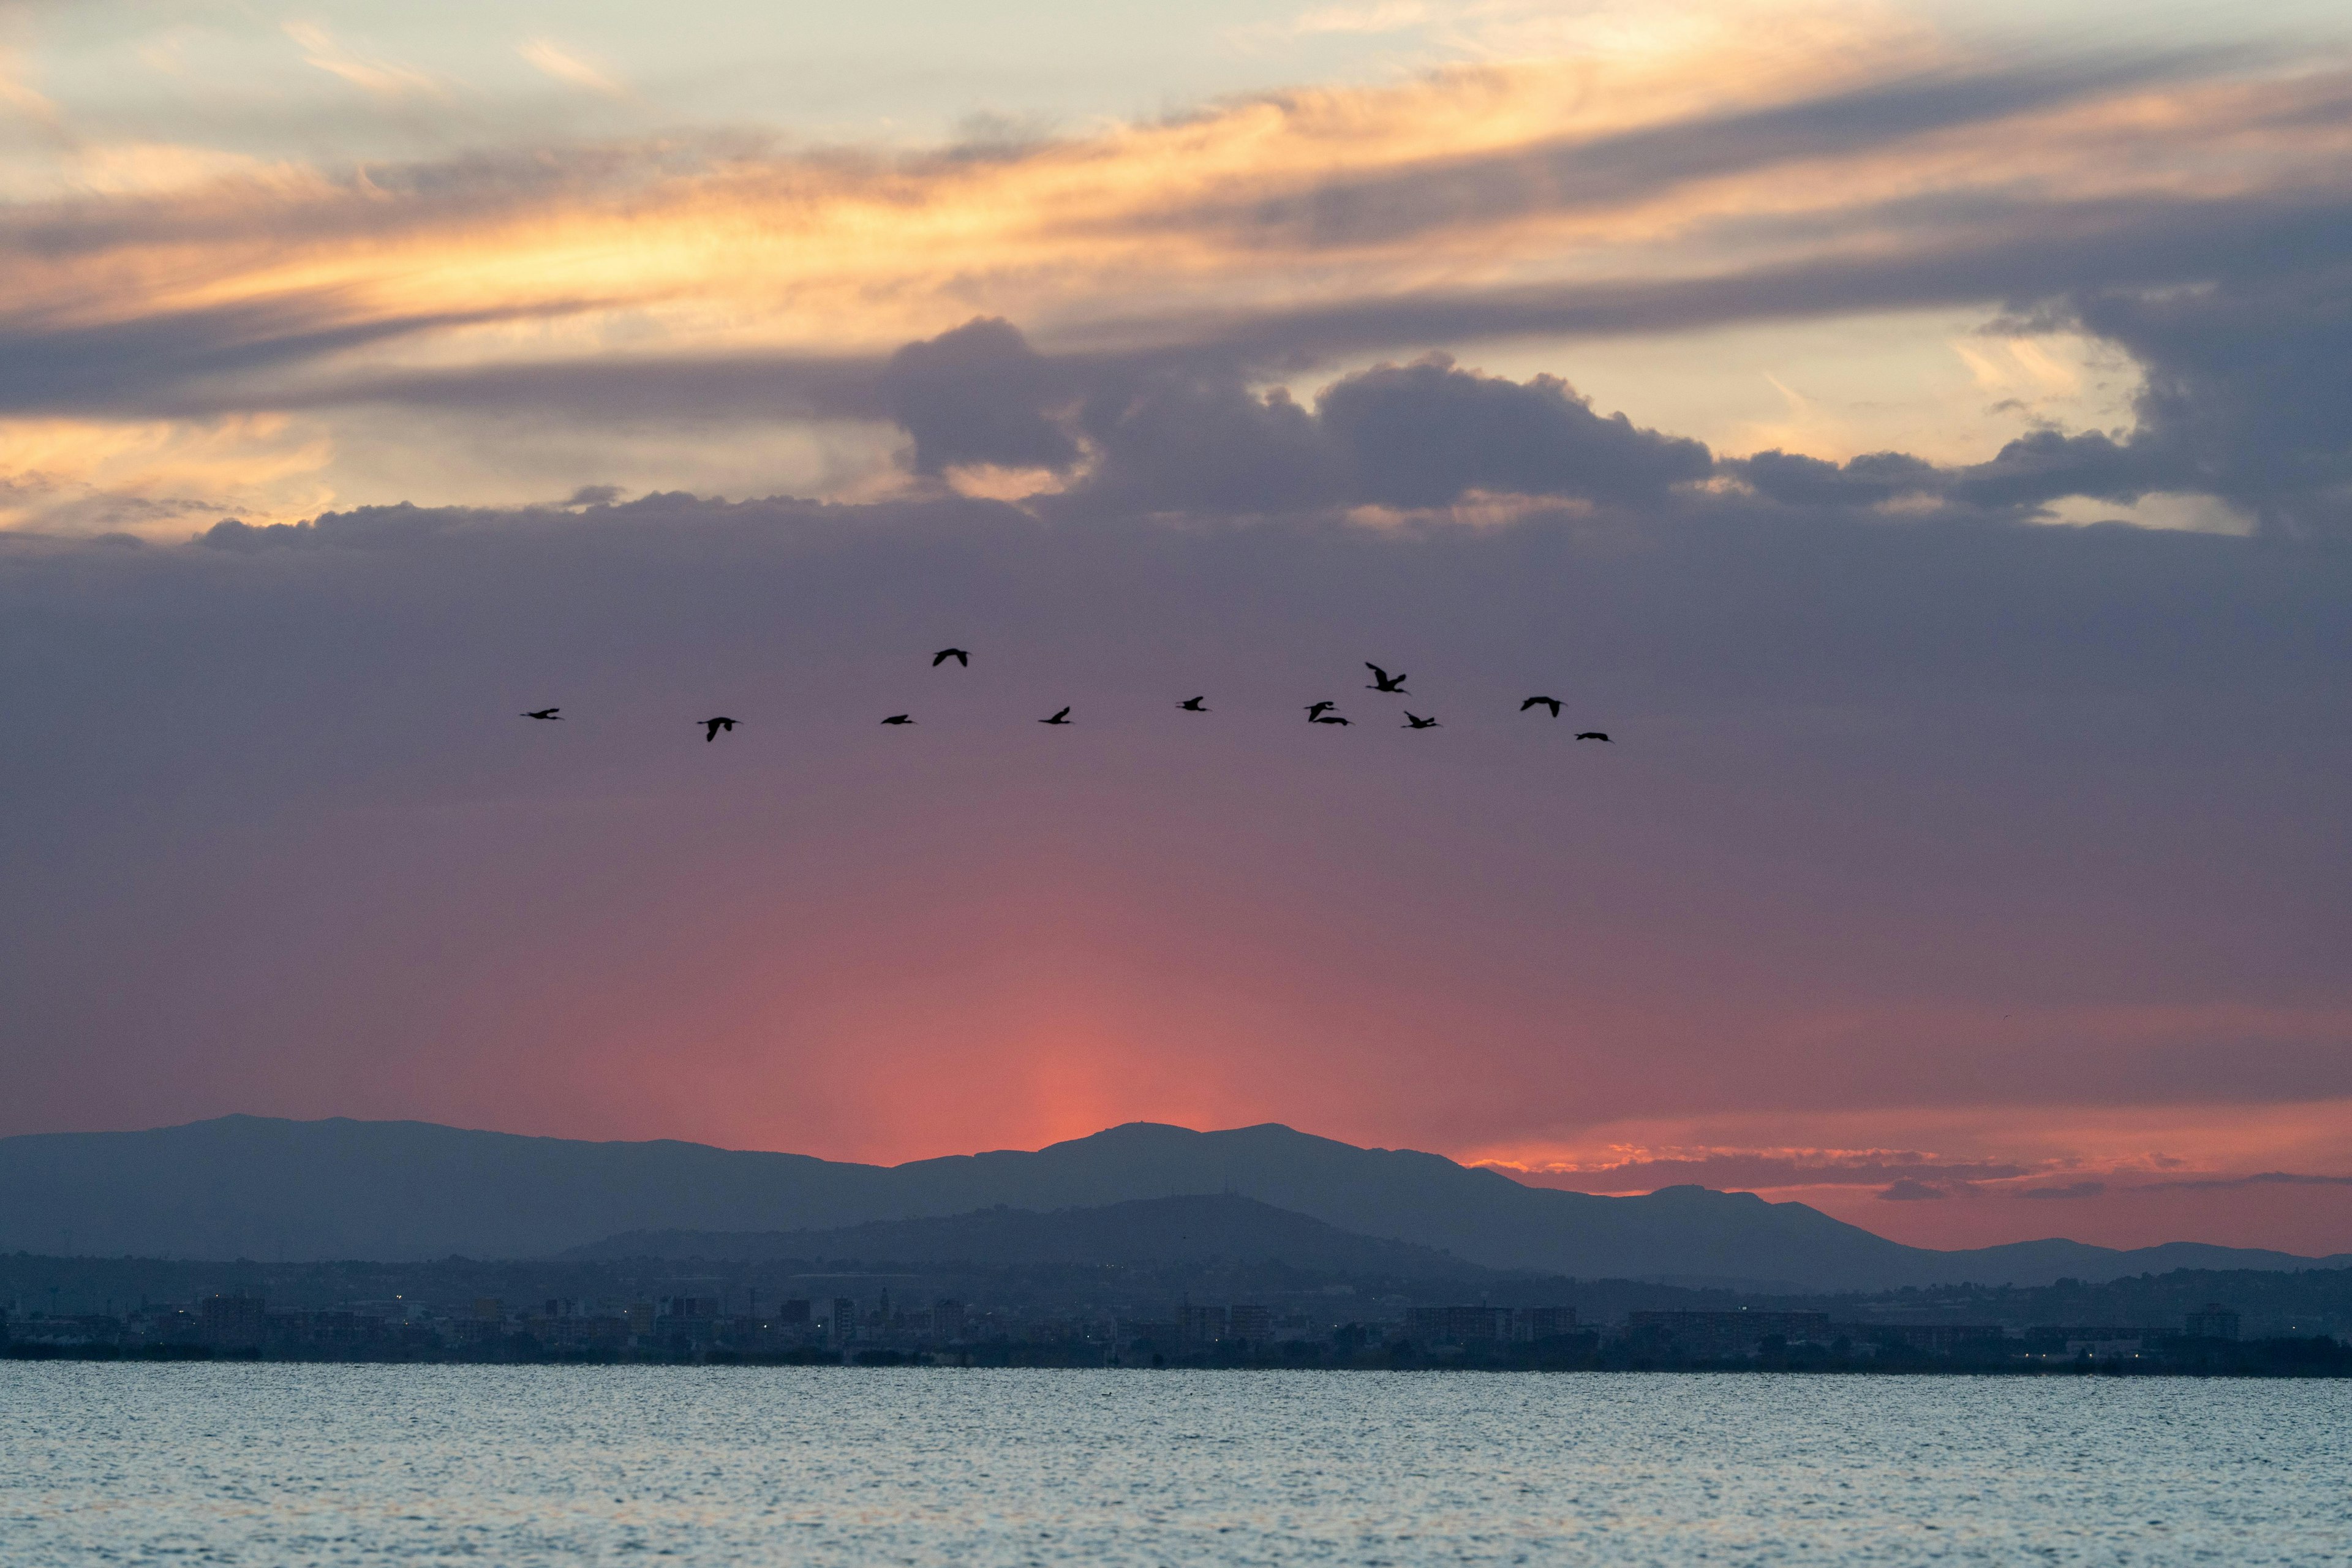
x,y
1195,1228
262,1187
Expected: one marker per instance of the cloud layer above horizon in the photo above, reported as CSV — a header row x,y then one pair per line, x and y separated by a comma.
x,y
1744,378
1817,233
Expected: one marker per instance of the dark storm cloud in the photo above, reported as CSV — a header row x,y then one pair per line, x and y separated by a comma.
x,y
977,394
1177,437
2247,395
1423,434
1868,480
2249,388
1187,438
2025,474
1417,436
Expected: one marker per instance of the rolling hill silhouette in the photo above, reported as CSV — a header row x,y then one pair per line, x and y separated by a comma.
x,y
265,1188
1208,1228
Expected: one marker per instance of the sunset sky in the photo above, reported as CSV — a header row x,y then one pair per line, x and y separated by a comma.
x,y
1921,434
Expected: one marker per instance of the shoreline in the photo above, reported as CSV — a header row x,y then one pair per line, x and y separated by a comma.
x,y
2314,1363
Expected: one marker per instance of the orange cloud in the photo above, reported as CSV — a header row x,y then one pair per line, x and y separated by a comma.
x,y
1696,157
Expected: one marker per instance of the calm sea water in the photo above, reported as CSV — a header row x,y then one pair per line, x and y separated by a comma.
x,y
268,1465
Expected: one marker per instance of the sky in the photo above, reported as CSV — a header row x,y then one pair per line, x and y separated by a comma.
x,y
1919,434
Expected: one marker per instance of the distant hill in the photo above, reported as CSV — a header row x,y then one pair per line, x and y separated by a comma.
x,y
1209,1229
258,1187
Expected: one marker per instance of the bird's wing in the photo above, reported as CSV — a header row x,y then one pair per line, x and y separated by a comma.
x,y
1378,673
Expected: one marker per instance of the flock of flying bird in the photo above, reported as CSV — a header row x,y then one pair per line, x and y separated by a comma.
x,y
1316,712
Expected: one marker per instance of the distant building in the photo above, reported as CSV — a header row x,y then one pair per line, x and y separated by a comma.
x,y
947,1320
2212,1321
845,1320
1935,1339
1529,1323
792,1313
233,1320
1200,1325
1251,1325
1158,1337
489,1309
1457,1325
2098,1340
640,1318
1714,1334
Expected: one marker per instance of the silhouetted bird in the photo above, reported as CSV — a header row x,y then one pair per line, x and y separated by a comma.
x,y
555,713
963,656
898,718
1330,719
710,727
1382,680
1550,702
1593,735
1192,705
1315,710
1061,717
1415,721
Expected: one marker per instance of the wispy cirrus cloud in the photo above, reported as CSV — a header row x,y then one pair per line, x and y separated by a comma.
x,y
1643,1171
19,97
2263,1179
373,75
1380,16
564,65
